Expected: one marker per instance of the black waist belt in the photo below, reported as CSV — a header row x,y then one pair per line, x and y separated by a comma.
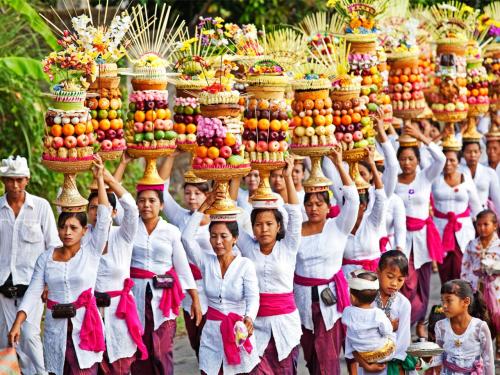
x,y
13,291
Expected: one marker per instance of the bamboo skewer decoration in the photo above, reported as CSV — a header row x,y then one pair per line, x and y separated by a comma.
x,y
286,46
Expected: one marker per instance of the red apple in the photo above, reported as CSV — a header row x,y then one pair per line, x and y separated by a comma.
x,y
106,145
339,136
250,146
347,137
149,126
138,127
91,138
57,142
219,142
159,124
117,143
261,146
357,136
406,95
225,152
208,162
220,162
82,140
283,146
197,161
274,146
397,96
70,142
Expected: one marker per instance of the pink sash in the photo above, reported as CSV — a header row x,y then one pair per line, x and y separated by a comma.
x,y
451,227
334,212
341,287
127,310
228,321
434,245
196,272
476,369
272,304
171,298
491,300
91,332
366,264
383,242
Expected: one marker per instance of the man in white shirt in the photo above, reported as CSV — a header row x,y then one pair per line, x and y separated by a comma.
x,y
27,229
493,151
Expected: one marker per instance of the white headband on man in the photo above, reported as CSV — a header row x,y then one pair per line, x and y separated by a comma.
x,y
17,167
357,283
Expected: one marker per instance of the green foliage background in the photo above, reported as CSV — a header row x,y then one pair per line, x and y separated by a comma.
x,y
25,40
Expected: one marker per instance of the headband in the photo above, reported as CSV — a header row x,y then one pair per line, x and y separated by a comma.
x,y
141,187
357,283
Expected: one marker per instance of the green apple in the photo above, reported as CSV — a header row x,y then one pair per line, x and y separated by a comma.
x,y
139,137
93,113
188,110
159,134
149,136
131,106
170,134
102,114
235,160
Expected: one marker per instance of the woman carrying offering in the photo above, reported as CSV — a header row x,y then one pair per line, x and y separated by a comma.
x,y
73,330
232,290
320,289
455,199
161,272
423,244
273,250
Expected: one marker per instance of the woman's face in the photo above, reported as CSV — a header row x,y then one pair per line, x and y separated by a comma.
x,y
365,173
277,181
472,153
252,180
71,232
298,174
408,161
149,204
221,239
316,209
451,162
265,228
434,132
193,197
493,151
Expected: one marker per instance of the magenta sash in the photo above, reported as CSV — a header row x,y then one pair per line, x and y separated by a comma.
x,y
196,272
334,212
476,369
91,332
491,300
341,287
434,245
127,310
272,304
451,227
383,242
171,298
366,264
228,321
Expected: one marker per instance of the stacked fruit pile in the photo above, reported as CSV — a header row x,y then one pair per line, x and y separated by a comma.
x,y
149,125
449,104
492,65
313,119
477,87
405,90
69,135
365,65
217,147
107,119
187,115
265,130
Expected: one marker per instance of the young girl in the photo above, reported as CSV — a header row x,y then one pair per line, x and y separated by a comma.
x,y
480,254
392,272
463,335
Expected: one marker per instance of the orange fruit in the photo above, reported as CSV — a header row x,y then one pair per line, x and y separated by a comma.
x,y
403,78
356,117
112,114
413,78
252,123
328,119
475,92
263,104
263,124
104,124
230,139
92,103
213,152
275,125
150,115
395,79
115,103
80,128
319,120
180,128
284,125
95,123
161,114
337,120
308,104
346,120
367,80
103,103
319,104
139,116
297,121
190,128
56,130
307,121
201,151
68,130
90,127
115,124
